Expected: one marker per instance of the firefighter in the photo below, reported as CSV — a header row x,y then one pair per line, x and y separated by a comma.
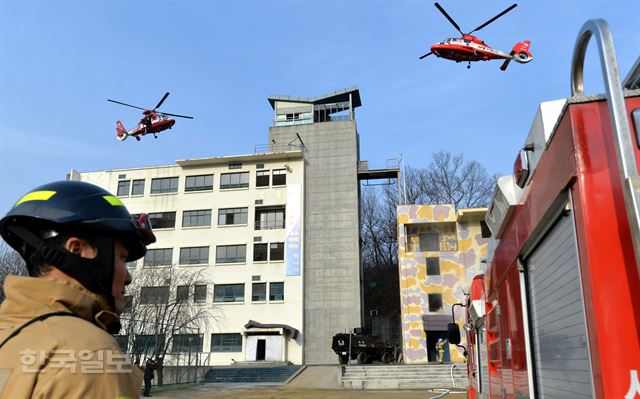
x,y
56,324
440,349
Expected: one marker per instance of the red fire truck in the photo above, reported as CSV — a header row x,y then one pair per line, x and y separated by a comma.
x,y
557,314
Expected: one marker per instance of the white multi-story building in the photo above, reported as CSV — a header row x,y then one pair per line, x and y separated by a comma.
x,y
240,218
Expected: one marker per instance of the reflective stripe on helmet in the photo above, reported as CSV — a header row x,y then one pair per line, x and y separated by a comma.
x,y
36,196
115,201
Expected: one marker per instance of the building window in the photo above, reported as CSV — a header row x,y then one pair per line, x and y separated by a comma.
x,y
259,292
198,183
158,257
259,252
149,344
200,294
194,256
182,293
137,187
228,293
279,177
276,291
484,228
163,220
270,218
231,253
435,302
226,342
433,266
123,342
234,180
197,218
235,165
128,303
276,251
154,295
123,188
262,178
429,242
228,216
164,185
185,343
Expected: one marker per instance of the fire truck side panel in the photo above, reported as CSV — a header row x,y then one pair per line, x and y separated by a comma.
x,y
610,276
549,179
516,344
578,168
559,344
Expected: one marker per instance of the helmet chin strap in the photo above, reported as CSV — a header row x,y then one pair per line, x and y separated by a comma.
x,y
94,274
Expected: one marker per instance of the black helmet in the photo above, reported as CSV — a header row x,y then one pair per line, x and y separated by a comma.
x,y
80,209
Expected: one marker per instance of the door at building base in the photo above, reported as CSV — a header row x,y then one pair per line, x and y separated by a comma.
x,y
264,347
261,349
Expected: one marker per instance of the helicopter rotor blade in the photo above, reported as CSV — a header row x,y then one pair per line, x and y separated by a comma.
x,y
128,105
494,18
176,115
426,55
161,101
448,17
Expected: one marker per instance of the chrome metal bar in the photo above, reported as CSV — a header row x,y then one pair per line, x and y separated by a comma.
x,y
618,115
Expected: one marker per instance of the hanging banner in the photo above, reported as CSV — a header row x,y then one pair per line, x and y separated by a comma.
x,y
293,247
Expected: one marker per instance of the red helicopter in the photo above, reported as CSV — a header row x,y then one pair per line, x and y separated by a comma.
x,y
469,48
152,122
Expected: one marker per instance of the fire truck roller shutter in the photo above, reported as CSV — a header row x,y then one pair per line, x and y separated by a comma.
x,y
558,331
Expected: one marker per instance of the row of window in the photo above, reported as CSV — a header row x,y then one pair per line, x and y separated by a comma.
x,y
262,252
168,185
434,241
266,218
182,343
221,293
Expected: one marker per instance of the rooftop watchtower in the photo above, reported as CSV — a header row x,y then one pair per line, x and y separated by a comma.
x,y
339,105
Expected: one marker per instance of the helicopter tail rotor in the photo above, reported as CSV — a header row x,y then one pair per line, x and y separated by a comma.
x,y
121,131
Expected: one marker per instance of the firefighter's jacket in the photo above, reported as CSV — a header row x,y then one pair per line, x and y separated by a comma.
x,y
60,356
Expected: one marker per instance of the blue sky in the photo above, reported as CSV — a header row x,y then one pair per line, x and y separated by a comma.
x,y
60,61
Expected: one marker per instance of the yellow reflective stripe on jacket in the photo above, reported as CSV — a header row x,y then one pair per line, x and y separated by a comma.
x,y
36,196
115,201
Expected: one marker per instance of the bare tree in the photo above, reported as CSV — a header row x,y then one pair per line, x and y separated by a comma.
x,y
10,263
164,313
450,180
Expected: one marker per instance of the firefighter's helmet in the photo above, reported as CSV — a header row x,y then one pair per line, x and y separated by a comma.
x,y
75,208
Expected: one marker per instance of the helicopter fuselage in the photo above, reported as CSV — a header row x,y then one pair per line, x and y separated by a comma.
x,y
465,49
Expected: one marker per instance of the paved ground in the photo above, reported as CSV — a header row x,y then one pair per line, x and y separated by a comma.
x,y
245,391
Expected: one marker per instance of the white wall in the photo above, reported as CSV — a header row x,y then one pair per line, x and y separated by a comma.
x,y
233,315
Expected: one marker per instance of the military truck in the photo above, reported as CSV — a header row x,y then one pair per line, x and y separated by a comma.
x,y
365,348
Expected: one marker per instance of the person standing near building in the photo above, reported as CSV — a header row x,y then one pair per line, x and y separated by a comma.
x,y
149,368
440,348
56,324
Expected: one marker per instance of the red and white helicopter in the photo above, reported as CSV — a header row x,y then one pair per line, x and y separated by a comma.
x,y
469,48
152,122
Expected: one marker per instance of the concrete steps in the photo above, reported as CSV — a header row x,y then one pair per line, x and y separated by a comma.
x,y
248,374
404,376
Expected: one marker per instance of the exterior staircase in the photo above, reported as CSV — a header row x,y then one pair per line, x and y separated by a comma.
x,y
251,373
404,376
